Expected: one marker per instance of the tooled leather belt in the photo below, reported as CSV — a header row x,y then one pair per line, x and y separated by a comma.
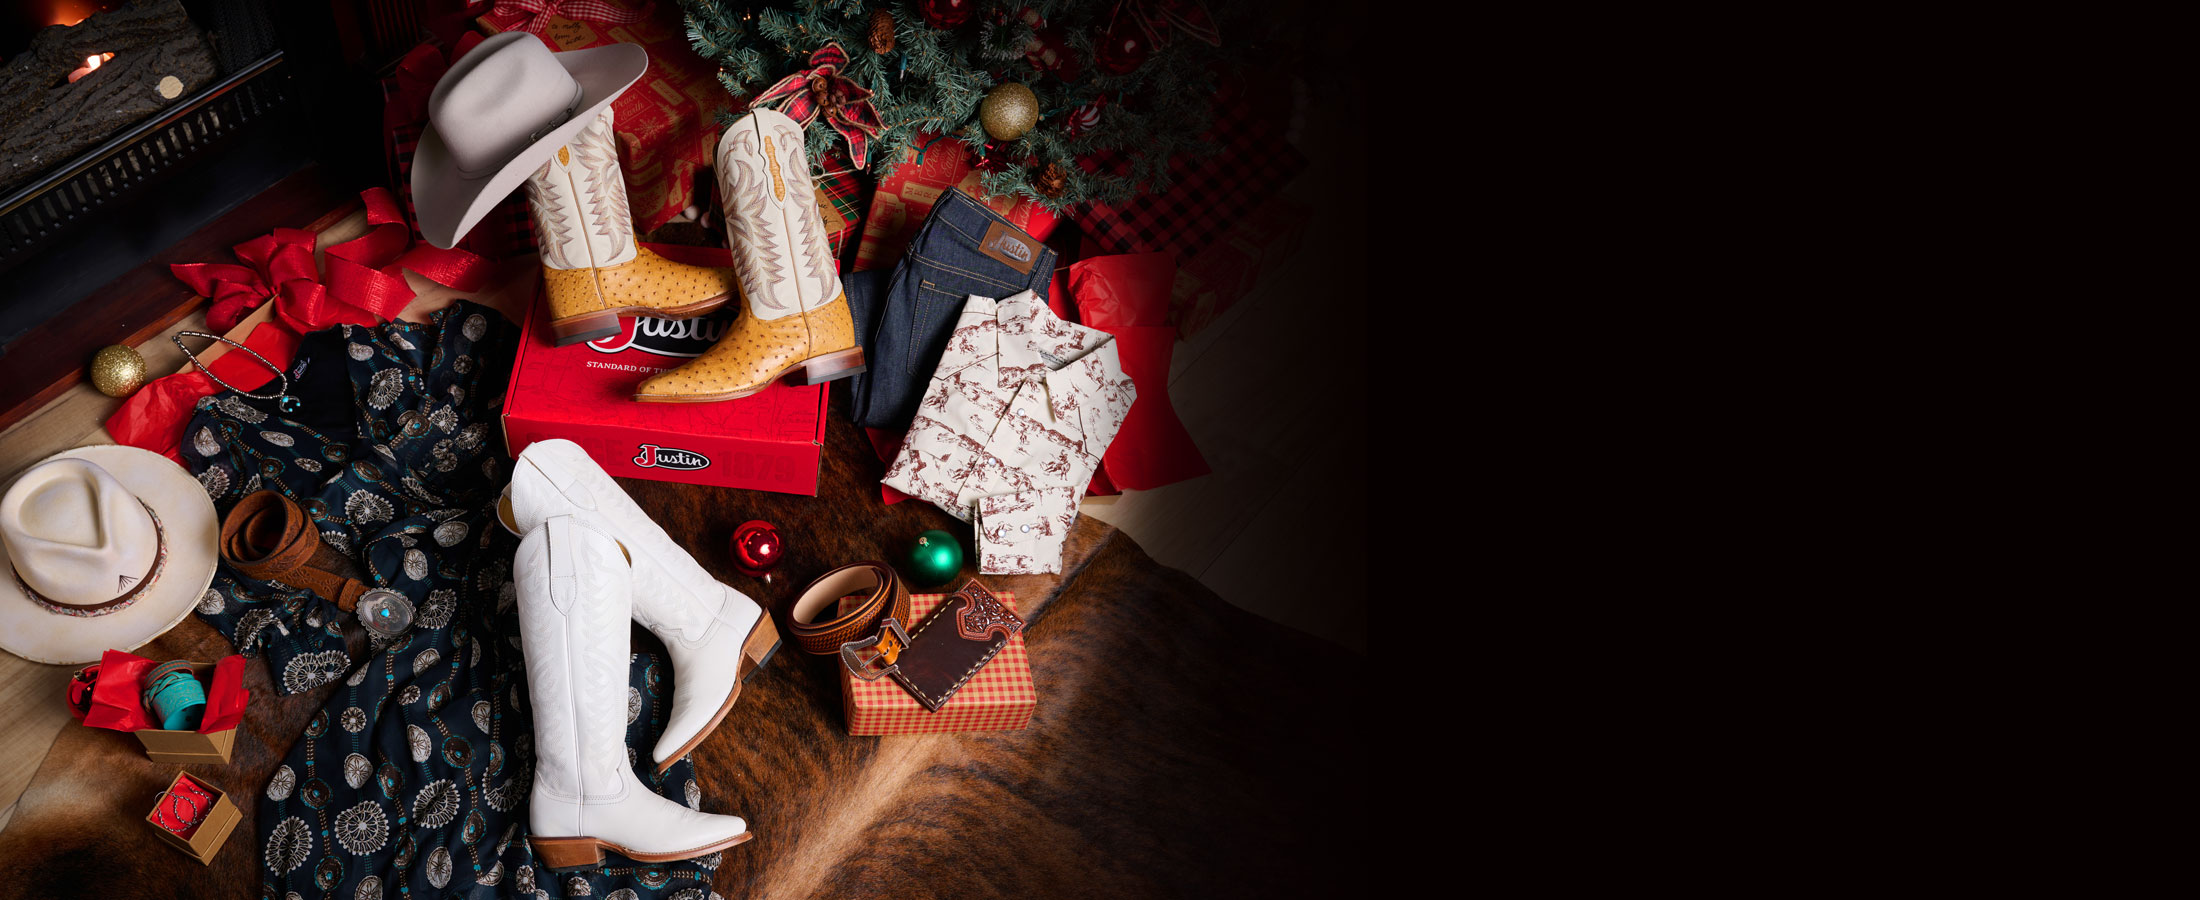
x,y
268,537
877,592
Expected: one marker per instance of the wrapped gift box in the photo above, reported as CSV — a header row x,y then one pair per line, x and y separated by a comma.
x,y
667,123
206,839
769,441
999,698
191,747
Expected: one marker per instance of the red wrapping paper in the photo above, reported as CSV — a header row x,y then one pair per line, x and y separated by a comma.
x,y
1127,295
365,284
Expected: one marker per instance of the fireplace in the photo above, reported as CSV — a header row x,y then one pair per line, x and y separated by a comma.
x,y
204,109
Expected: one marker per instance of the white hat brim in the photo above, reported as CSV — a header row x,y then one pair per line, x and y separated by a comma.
x,y
450,204
188,525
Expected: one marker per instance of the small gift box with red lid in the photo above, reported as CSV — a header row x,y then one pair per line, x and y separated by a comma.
x,y
194,816
999,697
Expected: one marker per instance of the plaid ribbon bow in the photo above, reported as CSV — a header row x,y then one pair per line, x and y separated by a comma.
x,y
821,91
579,10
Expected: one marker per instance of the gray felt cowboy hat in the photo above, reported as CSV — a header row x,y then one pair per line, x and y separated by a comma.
x,y
496,117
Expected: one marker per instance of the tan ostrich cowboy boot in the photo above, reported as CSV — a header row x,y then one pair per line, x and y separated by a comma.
x,y
794,317
593,271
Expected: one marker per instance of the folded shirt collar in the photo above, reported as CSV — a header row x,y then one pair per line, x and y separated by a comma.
x,y
1034,343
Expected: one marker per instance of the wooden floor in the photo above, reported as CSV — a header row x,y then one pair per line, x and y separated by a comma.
x,y
1272,393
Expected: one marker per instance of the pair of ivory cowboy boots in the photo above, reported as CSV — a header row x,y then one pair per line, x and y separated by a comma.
x,y
589,561
793,318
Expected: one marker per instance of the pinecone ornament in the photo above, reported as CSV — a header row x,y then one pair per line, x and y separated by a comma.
x,y
1053,180
882,32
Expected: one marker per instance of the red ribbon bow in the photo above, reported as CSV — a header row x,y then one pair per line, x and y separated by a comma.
x,y
278,263
822,91
577,10
365,285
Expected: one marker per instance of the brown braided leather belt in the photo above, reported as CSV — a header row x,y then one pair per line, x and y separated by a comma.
x,y
856,597
272,539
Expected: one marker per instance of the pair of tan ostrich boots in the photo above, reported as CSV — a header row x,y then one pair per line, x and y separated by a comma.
x,y
793,316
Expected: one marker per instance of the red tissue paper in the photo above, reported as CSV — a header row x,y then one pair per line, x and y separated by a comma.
x,y
118,700
1127,295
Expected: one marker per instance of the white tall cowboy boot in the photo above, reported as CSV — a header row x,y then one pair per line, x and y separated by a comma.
x,y
593,271
575,590
717,636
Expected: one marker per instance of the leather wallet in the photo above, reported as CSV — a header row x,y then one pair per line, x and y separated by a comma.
x,y
937,658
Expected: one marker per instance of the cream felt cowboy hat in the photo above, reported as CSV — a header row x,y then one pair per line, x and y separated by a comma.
x,y
101,547
498,115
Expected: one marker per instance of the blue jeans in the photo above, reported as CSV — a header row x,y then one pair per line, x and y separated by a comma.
x,y
903,322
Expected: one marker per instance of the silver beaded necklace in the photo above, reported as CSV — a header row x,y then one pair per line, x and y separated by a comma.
x,y
283,400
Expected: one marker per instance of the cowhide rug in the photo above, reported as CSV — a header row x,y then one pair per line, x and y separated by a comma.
x,y
1181,748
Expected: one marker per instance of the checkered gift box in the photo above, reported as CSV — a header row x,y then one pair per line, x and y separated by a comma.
x,y
840,203
999,698
1252,163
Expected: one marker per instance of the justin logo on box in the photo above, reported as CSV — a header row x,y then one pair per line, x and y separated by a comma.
x,y
664,337
655,457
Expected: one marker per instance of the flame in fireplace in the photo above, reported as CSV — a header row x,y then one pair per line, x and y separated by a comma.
x,y
91,64
70,12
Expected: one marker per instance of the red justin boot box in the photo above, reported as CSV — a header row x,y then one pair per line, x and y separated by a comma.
x,y
769,441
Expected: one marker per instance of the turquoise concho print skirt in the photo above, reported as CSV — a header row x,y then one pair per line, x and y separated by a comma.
x,y
413,779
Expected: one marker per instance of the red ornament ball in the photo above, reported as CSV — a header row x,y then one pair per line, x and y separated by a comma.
x,y
756,548
947,13
1123,48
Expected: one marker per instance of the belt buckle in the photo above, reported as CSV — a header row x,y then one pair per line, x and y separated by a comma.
x,y
385,612
862,657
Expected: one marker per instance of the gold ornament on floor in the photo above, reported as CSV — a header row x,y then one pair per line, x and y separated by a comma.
x,y
1053,180
118,370
882,32
1008,111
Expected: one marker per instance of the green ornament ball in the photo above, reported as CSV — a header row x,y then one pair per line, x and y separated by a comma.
x,y
935,558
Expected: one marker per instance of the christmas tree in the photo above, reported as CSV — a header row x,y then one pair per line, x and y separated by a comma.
x,y
1122,85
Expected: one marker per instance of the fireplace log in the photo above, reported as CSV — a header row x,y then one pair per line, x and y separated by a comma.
x,y
46,121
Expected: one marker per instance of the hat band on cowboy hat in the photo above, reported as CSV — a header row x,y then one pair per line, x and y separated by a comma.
x,y
118,604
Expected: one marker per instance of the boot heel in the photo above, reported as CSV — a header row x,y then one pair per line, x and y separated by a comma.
x,y
758,649
821,369
567,854
584,327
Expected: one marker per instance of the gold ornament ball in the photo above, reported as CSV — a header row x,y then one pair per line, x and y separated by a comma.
x,y
118,370
1008,111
